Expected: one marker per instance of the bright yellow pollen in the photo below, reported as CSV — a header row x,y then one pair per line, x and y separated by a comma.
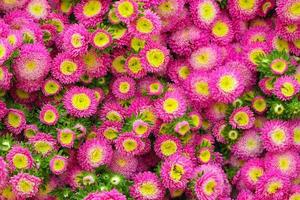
x,y
66,138
113,116
37,9
130,145
203,58
25,186
141,129
279,66
14,120
58,165
195,120
154,87
227,83
148,189
22,94
295,196
12,39
101,39
2,50
255,173
118,32
76,40
294,9
297,43
170,105
176,172
134,64
166,7
254,54
241,118
68,67
282,45
126,9
296,134
184,72
273,187
124,87
42,147
168,147
251,144
207,11
202,88
291,28
81,101
246,5
260,104
155,57
20,161
137,44
220,29
121,162
278,136
92,8
119,64
96,155
287,89
51,87
284,163
258,38
209,187
205,156
144,25
110,134
49,116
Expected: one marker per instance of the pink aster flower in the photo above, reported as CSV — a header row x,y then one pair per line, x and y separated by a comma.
x,y
123,164
66,137
90,12
206,58
167,145
276,136
171,106
94,153
141,128
272,186
67,69
80,102
204,12
285,87
25,185
248,146
226,84
5,50
10,5
109,130
256,35
19,158
129,144
251,53
244,10
146,186
266,6
14,38
295,130
51,87
266,85
95,64
179,70
146,26
43,143
288,10
49,115
135,67
242,118
30,130
245,194
285,163
112,195
222,31
216,111
15,121
38,9
288,31
112,111
218,129
3,173
123,87
126,10
170,8
155,57
75,39
182,128
101,39
5,78
58,164
176,172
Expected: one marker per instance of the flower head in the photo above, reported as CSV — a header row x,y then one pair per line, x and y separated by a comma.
x,y
204,12
38,9
5,78
288,10
123,164
19,158
25,185
58,164
123,88
126,10
167,145
242,118
129,144
66,137
43,143
285,87
15,121
49,115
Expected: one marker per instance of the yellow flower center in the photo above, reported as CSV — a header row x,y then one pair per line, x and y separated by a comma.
x,y
37,9
92,8
154,87
114,116
251,144
203,58
81,101
126,9
297,43
227,83
207,11
96,155
101,39
76,40
170,105
14,119
12,39
42,147
220,29
202,88
255,54
166,7
58,165
287,89
49,116
118,32
20,161
294,9
295,196
51,87
273,187
209,187
22,94
291,28
7,193
284,163
25,186
296,134
241,118
168,147
282,45
246,5
130,145
184,129
176,173
148,189
68,67
205,156
134,64
155,57
119,64
148,115
279,66
144,25
258,38
124,87
255,173
66,138
259,104
195,120
2,50
137,44
110,133
278,136
184,72
141,129
121,162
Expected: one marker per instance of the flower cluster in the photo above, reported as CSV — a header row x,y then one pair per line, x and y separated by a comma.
x,y
150,99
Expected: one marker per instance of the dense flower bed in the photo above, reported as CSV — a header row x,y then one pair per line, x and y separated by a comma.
x,y
149,99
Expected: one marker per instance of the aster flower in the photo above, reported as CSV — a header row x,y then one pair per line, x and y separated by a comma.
x,y
43,143
244,10
95,65
5,50
155,57
75,39
90,12
101,39
227,84
10,5
112,111
280,44
171,106
123,87
288,10
19,158
112,194
216,111
249,145
94,153
266,85
272,186
245,194
5,78
80,102
279,66
109,130
286,87
287,31
147,186
123,164
66,137
66,69
256,35
166,146
206,58
141,128
129,144
154,87
49,115
196,120
30,130
252,52
179,70
295,131
146,26
221,30
15,121
25,185
170,8
176,171
276,136
51,87
126,10
38,9
134,67
242,118
58,164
